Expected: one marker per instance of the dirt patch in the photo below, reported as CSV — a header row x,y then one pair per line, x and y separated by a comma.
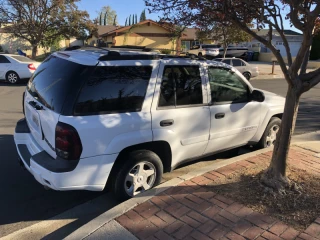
x,y
298,210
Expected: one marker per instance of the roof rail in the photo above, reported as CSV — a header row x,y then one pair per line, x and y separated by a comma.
x,y
114,56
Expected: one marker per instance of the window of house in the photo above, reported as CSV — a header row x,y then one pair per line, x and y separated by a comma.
x,y
181,85
227,87
114,90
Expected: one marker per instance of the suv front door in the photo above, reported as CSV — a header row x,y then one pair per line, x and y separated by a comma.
x,y
234,117
180,111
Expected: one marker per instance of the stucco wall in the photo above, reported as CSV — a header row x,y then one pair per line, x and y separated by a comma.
x,y
150,42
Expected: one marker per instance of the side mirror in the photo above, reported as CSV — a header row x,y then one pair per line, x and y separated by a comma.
x,y
257,96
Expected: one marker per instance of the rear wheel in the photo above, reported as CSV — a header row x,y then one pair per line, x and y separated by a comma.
x,y
270,135
141,171
247,75
200,54
12,77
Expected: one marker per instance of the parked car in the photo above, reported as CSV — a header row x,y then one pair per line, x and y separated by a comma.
x,y
206,50
123,118
16,67
247,70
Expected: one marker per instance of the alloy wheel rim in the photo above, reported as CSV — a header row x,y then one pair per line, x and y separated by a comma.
x,y
140,178
12,78
272,135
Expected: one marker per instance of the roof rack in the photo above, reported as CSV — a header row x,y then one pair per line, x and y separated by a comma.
x,y
114,56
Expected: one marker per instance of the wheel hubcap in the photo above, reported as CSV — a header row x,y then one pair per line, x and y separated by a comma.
x,y
140,178
12,78
272,135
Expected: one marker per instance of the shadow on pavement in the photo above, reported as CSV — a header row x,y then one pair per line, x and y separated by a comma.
x,y
308,117
24,201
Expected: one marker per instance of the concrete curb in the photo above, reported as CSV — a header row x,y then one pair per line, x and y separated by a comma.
x,y
264,77
92,226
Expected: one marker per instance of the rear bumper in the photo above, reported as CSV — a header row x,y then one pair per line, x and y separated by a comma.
x,y
59,174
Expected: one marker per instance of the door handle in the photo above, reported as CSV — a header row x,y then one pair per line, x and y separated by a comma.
x,y
35,105
166,123
219,115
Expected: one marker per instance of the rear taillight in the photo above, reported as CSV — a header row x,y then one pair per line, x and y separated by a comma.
x,y
32,67
68,143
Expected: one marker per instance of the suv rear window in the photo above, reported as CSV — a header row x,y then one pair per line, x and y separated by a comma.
x,y
53,80
114,90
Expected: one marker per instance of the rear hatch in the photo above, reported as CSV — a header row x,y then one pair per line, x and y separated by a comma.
x,y
54,82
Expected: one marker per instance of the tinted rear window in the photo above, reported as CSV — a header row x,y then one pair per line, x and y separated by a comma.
x,y
22,59
210,46
53,80
114,90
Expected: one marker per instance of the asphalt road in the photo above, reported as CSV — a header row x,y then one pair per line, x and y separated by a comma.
x,y
24,202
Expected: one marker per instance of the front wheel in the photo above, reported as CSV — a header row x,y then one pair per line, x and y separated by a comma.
x,y
141,171
270,135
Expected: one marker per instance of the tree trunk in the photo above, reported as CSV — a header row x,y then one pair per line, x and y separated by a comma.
x,y
275,175
225,48
34,51
178,46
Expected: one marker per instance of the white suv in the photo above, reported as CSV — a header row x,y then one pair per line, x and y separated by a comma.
x,y
124,118
209,51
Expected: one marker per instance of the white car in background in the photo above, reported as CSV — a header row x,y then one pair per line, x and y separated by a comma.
x,y
205,50
16,67
247,70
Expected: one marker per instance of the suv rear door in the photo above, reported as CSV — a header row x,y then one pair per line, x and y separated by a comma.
x,y
180,112
49,87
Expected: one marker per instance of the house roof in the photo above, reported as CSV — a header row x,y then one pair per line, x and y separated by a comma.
x,y
264,32
105,29
122,29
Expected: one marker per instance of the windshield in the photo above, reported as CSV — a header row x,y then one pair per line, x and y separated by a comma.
x,y
22,59
53,80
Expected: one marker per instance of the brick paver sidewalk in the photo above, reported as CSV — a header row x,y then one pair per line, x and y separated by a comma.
x,y
191,211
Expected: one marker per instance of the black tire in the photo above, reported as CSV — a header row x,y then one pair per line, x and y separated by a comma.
x,y
132,159
200,54
12,77
247,75
263,143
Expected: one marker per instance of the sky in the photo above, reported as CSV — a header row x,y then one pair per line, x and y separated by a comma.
x,y
126,7
123,8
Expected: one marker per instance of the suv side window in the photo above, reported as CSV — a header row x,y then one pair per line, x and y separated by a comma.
x,y
227,87
180,86
3,59
114,90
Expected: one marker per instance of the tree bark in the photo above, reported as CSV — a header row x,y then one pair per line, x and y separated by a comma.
x,y
178,46
225,48
275,175
34,51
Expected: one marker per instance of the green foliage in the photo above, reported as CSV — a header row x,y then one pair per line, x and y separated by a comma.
x,y
44,22
126,24
1,49
165,51
226,34
143,16
129,20
107,16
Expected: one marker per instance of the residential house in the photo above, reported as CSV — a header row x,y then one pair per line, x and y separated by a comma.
x,y
95,38
294,40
